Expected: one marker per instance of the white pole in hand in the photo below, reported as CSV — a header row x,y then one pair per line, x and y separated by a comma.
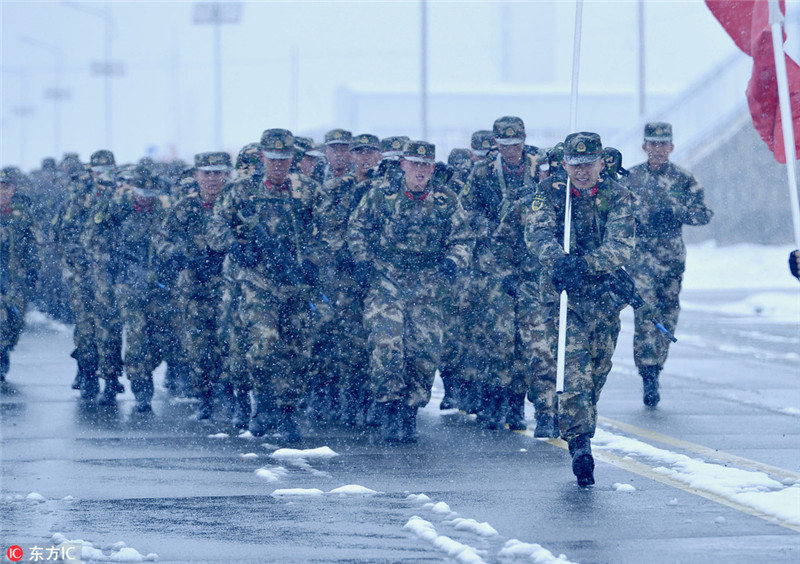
x,y
573,125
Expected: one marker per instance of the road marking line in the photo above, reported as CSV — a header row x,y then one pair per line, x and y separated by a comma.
x,y
646,471
702,450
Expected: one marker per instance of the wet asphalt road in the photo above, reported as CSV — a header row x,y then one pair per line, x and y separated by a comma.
x,y
162,485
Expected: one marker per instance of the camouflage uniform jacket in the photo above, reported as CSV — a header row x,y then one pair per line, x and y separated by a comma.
x,y
602,232
19,258
489,191
333,203
72,220
285,212
668,187
508,241
401,233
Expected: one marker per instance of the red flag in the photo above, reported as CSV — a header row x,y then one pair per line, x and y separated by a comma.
x,y
747,22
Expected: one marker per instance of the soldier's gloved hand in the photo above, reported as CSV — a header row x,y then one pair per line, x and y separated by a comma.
x,y
448,269
344,262
262,241
569,273
661,219
243,253
310,272
794,263
510,285
362,273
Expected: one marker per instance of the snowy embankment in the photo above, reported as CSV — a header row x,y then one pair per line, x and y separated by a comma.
x,y
763,269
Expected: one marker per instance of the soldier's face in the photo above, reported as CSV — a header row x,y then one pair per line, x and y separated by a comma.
x,y
338,156
586,175
211,181
7,190
657,151
417,174
276,170
512,154
365,159
307,165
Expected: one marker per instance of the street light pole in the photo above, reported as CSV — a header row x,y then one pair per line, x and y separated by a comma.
x,y
423,87
58,94
642,98
217,13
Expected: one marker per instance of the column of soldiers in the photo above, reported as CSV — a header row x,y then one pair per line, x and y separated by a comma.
x,y
336,279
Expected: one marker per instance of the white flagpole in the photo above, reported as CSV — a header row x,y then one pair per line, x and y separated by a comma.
x,y
776,22
573,125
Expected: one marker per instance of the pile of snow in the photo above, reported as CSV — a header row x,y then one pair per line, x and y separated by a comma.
x,y
248,456
454,549
218,436
440,508
352,489
532,552
321,453
34,497
779,307
36,317
299,492
746,487
117,552
272,474
623,487
471,525
737,266
421,498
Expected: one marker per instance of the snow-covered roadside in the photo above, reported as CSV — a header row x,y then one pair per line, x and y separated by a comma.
x,y
743,266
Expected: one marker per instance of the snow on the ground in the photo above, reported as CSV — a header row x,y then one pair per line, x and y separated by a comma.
x,y
246,434
777,307
440,508
623,487
219,436
352,489
746,265
248,456
271,474
117,552
471,525
741,350
34,497
750,488
321,453
457,551
297,492
422,498
532,552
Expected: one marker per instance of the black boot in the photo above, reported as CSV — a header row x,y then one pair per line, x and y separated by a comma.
x,y
241,416
650,395
391,430
546,425
110,391
90,387
449,399
515,416
287,424
226,401
491,415
206,406
372,418
473,393
264,417
408,424
582,461
5,365
142,389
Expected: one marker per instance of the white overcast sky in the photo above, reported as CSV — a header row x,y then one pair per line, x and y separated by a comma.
x,y
166,98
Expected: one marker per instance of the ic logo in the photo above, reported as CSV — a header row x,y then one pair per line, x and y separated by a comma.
x,y
14,553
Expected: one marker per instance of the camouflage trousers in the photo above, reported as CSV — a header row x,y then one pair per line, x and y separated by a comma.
x,y
231,336
83,313
455,347
659,287
107,322
203,348
275,323
477,321
521,338
404,323
338,339
150,338
591,340
12,318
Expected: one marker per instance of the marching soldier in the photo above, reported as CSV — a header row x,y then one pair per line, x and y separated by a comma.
x,y
409,237
337,152
667,198
602,241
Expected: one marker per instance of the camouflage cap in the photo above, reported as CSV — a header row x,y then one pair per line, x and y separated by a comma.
x,y
658,131
70,157
556,152
102,160
582,147
459,158
11,175
144,181
249,155
48,163
303,144
508,130
365,141
393,146
316,151
338,137
482,142
420,152
613,158
214,160
277,144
